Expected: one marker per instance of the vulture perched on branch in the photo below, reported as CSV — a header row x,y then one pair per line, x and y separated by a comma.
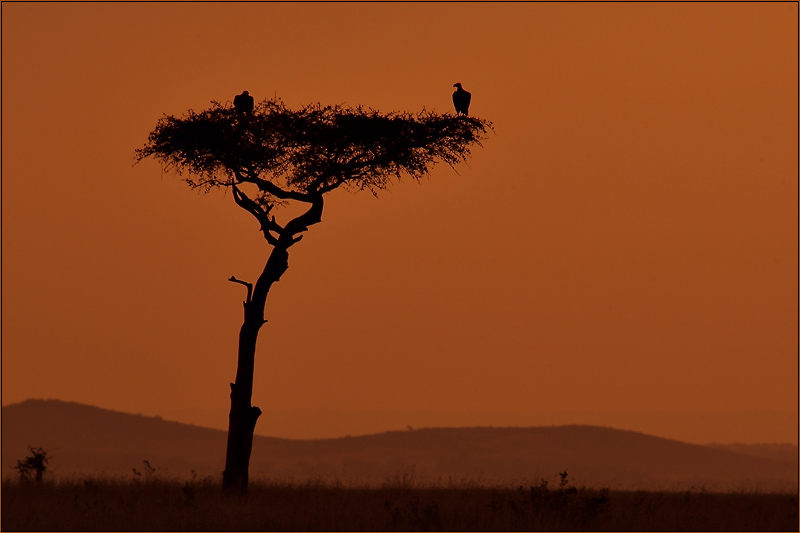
x,y
461,99
243,102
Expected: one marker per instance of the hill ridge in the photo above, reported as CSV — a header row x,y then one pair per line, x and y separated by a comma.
x,y
93,439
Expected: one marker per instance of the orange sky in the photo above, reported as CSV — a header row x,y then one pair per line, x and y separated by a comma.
x,y
622,252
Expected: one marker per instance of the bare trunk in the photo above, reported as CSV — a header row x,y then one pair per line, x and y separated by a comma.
x,y
243,415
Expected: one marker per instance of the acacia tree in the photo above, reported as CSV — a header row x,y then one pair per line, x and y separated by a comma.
x,y
274,156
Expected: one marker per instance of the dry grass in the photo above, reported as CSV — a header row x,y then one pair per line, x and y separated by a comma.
x,y
152,504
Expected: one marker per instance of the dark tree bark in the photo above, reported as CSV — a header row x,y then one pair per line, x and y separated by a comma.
x,y
243,415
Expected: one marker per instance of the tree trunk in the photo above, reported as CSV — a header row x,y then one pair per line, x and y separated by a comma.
x,y
243,416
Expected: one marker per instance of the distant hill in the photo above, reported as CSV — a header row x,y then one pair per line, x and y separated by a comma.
x,y
84,439
781,451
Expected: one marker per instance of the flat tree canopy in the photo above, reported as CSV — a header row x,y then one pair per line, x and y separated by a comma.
x,y
300,154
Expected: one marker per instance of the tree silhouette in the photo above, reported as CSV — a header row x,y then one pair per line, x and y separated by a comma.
x,y
276,156
36,463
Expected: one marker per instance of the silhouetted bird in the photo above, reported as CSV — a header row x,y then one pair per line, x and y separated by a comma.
x,y
461,99
243,102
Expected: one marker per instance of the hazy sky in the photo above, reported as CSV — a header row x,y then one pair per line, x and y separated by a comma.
x,y
622,251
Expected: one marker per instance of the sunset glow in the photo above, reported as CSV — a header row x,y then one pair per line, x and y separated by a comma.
x,y
621,251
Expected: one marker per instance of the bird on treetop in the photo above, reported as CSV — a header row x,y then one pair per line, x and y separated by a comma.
x,y
243,103
461,100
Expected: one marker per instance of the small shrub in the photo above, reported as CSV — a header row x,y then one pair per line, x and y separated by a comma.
x,y
36,463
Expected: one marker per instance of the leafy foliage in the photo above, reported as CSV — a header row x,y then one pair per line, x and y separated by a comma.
x,y
299,154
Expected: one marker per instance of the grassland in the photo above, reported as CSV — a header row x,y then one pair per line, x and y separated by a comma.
x,y
152,504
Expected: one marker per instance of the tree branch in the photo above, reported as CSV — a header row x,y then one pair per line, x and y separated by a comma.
x,y
248,285
301,223
271,188
260,213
